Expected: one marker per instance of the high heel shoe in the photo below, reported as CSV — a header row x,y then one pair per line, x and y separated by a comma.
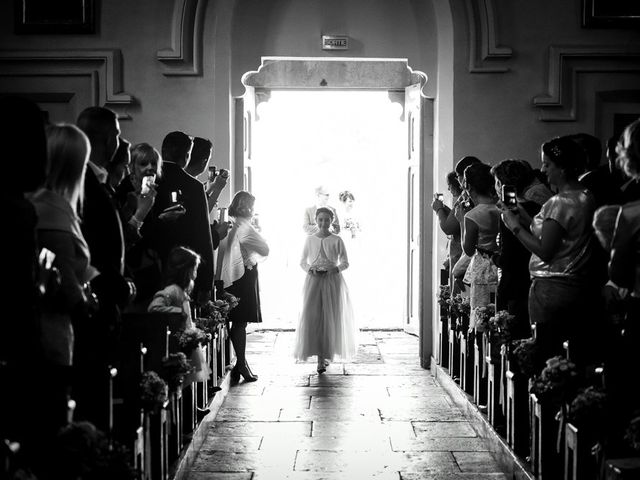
x,y
247,375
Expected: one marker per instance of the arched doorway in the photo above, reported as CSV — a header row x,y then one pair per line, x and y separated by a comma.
x,y
404,276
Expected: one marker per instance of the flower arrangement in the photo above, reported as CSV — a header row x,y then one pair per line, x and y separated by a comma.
x,y
482,317
525,357
353,226
444,295
190,338
460,308
214,313
154,391
83,451
632,434
174,368
588,411
502,326
557,383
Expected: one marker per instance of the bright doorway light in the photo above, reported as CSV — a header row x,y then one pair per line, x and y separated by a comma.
x,y
345,140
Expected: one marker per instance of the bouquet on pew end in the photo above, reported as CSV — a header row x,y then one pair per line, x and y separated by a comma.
x,y
190,338
216,312
557,383
483,315
154,392
175,368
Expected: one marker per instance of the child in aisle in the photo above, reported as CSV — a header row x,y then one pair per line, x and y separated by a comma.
x,y
327,326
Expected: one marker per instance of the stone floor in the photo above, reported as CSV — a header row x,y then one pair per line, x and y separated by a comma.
x,y
379,417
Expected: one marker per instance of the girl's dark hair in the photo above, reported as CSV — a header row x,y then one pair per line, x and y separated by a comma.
x,y
478,177
513,172
454,184
324,210
346,195
180,263
567,155
241,200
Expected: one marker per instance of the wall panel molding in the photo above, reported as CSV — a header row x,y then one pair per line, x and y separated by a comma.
x,y
483,39
104,67
184,56
567,63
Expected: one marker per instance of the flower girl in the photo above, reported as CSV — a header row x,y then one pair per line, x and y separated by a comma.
x,y
327,325
180,274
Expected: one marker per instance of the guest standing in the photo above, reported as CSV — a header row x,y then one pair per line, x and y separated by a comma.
x,y
191,229
244,248
481,227
560,238
322,200
24,155
513,259
96,342
58,228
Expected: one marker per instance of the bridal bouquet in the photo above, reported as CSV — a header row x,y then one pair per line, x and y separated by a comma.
x,y
353,226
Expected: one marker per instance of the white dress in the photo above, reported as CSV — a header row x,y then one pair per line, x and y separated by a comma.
x,y
173,299
327,326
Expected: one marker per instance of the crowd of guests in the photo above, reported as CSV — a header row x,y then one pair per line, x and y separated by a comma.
x,y
559,248
98,228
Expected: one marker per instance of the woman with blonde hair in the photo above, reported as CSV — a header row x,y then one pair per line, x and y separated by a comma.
x,y
58,205
243,249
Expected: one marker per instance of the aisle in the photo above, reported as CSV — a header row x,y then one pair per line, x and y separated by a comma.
x,y
380,417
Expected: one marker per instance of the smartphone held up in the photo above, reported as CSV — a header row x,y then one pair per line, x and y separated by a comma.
x,y
508,197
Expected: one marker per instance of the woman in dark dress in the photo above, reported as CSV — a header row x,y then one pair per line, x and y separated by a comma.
x,y
513,259
244,248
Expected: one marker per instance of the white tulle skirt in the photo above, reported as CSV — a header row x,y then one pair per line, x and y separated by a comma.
x,y
327,326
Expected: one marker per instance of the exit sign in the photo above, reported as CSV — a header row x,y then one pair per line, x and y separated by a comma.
x,y
335,42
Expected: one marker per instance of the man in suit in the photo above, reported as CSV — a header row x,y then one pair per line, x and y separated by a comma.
x,y
597,178
96,340
309,225
191,229
198,161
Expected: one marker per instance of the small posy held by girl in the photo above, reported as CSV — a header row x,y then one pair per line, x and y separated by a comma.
x,y
180,274
327,326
